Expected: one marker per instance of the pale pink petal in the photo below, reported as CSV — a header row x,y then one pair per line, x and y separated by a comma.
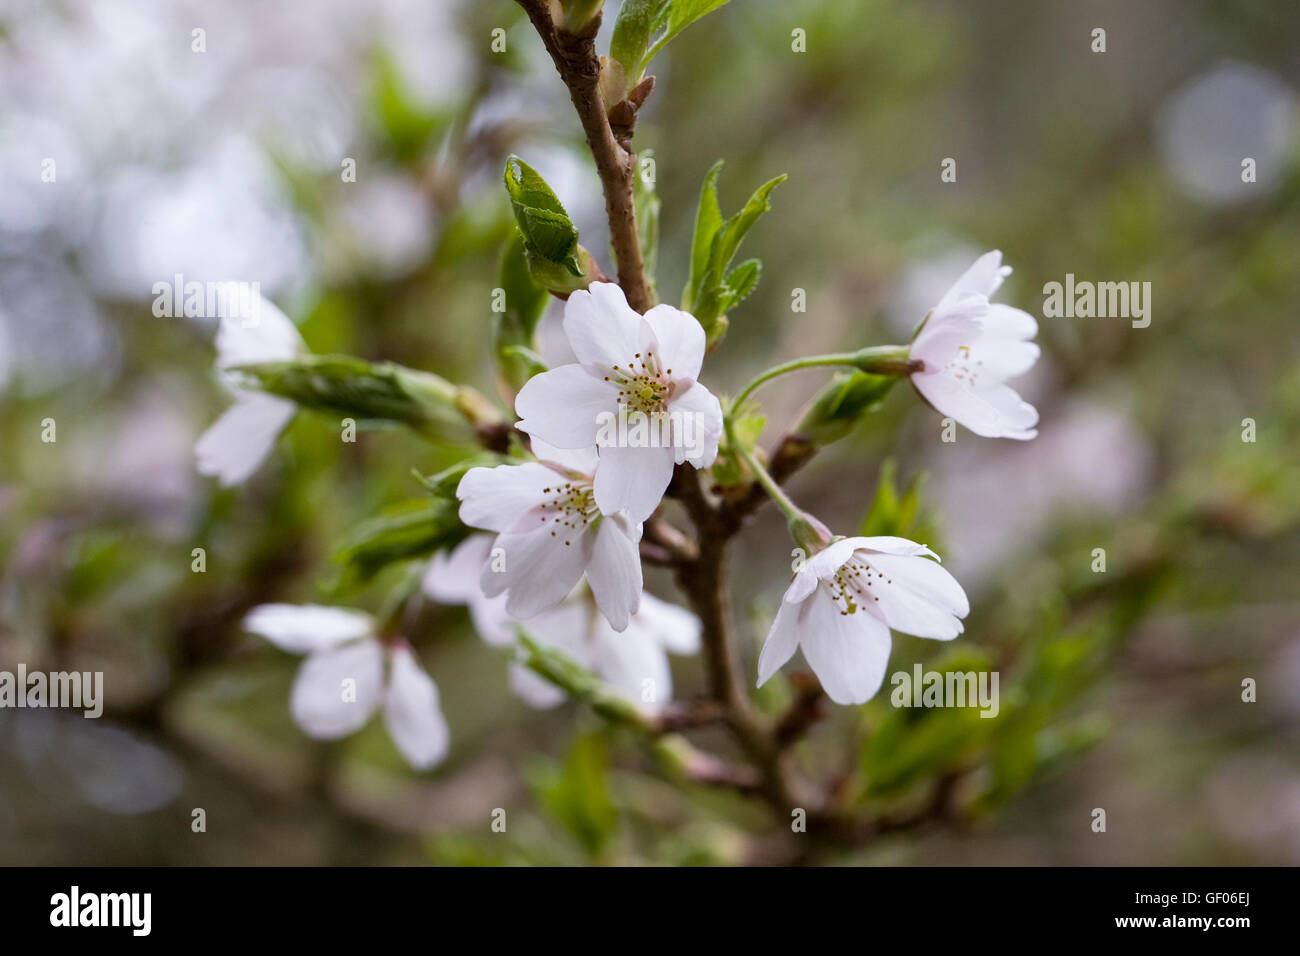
x,y
681,341
984,278
253,331
566,406
889,544
304,628
539,569
782,639
848,652
925,578
614,572
337,691
236,443
696,441
452,576
674,627
961,324
635,664
632,480
580,460
1010,322
603,330
412,711
954,400
499,498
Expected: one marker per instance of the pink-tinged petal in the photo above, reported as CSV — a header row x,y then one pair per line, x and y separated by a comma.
x,y
253,331
614,572
337,691
580,460
603,330
802,584
499,498
632,480
636,665
890,544
993,360
830,559
1018,416
565,628
540,569
782,641
848,652
566,406
697,425
681,341
238,442
674,627
954,400
452,576
961,324
412,712
883,592
306,628
984,278
1010,322
925,578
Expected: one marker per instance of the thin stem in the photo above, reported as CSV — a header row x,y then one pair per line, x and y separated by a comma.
x,y
774,491
881,360
579,67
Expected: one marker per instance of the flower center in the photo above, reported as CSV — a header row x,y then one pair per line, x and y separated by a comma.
x,y
855,584
962,368
642,386
569,507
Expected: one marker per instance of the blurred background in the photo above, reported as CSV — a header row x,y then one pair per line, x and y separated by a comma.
x,y
1120,690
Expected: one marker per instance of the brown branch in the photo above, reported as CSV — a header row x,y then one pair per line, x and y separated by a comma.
x,y
579,67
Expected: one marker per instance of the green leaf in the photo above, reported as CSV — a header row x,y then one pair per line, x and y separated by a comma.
x,y
636,24
578,682
710,290
635,42
547,230
892,514
708,220
578,795
646,203
409,127
444,483
401,532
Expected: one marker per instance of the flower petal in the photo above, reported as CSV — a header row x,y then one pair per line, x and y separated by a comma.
x,y
960,324
602,328
847,652
412,712
1010,322
926,578
540,569
635,664
782,640
566,406
499,498
632,480
581,460
681,341
337,691
696,442
960,403
890,544
253,330
984,278
452,576
614,571
304,628
674,627
236,443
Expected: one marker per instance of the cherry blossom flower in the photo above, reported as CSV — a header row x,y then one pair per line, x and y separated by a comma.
x,y
842,603
341,683
250,332
634,661
550,532
969,347
632,368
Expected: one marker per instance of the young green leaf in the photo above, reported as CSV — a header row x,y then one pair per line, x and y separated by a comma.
x,y
514,328
404,531
547,231
646,203
644,27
